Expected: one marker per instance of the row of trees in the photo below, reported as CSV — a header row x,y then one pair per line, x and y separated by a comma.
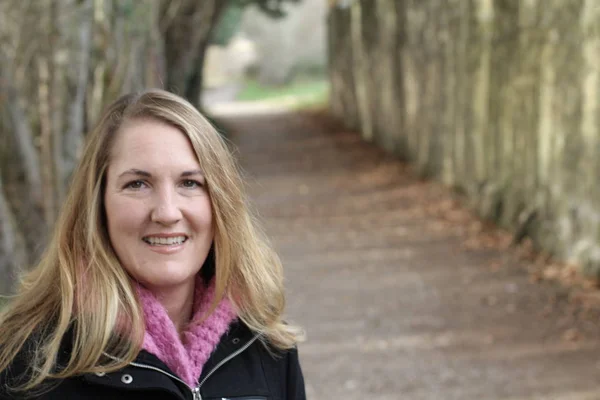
x,y
61,61
499,99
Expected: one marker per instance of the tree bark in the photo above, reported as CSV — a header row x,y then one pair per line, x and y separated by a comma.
x,y
27,200
184,52
73,137
7,244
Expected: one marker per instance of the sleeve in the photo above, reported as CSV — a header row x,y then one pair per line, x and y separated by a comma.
x,y
284,374
295,377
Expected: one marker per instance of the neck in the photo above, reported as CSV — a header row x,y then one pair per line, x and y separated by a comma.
x,y
178,302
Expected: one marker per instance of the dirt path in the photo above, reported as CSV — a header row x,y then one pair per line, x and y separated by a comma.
x,y
394,303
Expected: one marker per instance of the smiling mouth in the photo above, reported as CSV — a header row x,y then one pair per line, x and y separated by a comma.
x,y
165,241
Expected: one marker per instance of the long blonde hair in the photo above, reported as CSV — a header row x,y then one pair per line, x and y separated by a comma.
x,y
79,292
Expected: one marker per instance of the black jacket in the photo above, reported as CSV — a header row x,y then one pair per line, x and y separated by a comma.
x,y
240,368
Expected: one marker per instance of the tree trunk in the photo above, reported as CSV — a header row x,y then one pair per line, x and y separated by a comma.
x,y
184,52
8,236
27,199
73,137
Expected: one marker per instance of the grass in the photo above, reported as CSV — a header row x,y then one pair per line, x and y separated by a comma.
x,y
303,91
312,103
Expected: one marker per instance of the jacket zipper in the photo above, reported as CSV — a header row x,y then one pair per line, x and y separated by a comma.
x,y
196,390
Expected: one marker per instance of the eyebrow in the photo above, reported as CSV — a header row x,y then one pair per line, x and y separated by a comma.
x,y
139,172
191,173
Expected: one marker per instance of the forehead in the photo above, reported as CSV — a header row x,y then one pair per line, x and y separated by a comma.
x,y
152,141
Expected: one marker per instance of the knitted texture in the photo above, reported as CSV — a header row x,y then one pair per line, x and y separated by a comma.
x,y
185,355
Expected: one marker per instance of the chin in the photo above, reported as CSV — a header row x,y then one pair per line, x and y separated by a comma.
x,y
170,281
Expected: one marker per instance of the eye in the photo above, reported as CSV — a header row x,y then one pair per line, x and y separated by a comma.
x,y
135,185
191,184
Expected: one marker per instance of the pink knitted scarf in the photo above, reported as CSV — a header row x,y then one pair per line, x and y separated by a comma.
x,y
185,355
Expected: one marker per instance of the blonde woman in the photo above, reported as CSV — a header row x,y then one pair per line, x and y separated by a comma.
x,y
157,282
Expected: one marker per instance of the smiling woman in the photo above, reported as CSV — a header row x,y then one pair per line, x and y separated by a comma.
x,y
157,277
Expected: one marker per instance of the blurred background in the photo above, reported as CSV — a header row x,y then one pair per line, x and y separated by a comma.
x,y
428,170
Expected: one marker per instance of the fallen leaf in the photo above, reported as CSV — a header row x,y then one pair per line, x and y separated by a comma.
x,y
571,335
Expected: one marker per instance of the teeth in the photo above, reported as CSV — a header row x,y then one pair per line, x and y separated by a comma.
x,y
154,241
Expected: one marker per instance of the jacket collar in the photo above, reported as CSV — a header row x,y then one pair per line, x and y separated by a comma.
x,y
132,377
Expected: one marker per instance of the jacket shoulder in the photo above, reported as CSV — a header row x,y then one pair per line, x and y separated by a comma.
x,y
257,367
284,368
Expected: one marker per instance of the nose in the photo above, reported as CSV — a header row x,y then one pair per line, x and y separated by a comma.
x,y
166,211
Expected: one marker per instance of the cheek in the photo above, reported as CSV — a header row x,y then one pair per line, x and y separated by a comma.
x,y
201,213
123,216
207,215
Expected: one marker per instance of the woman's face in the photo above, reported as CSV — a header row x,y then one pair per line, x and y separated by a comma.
x,y
157,206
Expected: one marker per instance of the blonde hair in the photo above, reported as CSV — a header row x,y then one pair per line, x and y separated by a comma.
x,y
50,306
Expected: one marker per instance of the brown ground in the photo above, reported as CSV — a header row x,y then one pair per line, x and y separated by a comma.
x,y
404,295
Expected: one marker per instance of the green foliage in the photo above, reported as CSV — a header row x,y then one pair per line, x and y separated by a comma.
x,y
253,90
228,25
125,8
232,17
273,8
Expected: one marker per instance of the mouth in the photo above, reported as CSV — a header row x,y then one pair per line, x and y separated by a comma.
x,y
161,241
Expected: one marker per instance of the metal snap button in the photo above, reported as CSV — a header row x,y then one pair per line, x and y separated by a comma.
x,y
127,379
100,374
235,341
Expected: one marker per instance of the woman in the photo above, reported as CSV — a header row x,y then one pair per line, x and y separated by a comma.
x,y
157,282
